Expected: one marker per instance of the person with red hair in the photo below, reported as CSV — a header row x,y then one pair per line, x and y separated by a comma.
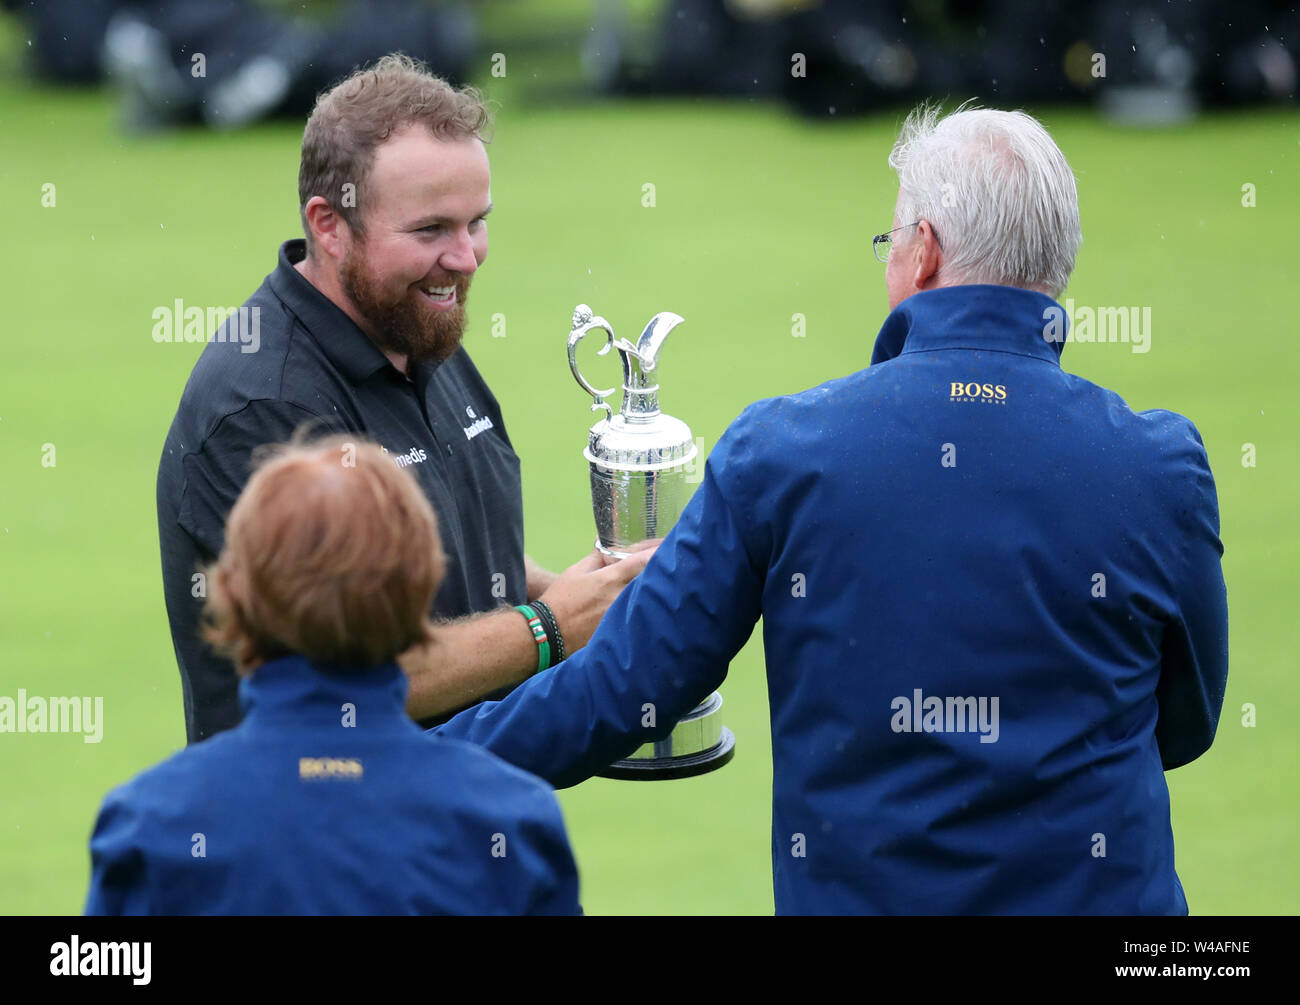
x,y
327,798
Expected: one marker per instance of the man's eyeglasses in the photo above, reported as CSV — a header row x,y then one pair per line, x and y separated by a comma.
x,y
882,243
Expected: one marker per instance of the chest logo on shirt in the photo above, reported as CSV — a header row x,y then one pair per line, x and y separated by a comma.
x,y
995,394
413,456
478,425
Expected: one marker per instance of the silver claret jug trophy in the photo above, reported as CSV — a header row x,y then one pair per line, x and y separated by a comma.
x,y
642,464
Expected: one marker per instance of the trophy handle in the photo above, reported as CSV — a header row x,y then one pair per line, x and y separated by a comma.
x,y
583,322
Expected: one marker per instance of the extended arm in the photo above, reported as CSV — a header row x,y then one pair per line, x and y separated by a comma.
x,y
662,647
476,655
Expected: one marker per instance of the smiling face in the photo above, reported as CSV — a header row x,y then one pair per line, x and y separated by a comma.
x,y
408,276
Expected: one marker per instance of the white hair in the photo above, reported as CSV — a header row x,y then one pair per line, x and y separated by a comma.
x,y
998,192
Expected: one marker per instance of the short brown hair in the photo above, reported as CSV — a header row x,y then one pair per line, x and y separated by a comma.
x,y
332,552
357,115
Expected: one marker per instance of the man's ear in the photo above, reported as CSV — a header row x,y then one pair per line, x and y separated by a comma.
x,y
329,231
927,256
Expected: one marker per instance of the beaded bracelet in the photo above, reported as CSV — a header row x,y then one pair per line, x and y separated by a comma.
x,y
539,635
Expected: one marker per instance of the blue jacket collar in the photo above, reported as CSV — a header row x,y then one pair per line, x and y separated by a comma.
x,y
293,687
996,318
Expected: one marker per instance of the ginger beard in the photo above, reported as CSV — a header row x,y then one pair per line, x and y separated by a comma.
x,y
406,326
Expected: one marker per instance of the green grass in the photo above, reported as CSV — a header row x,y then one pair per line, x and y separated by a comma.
x,y
758,216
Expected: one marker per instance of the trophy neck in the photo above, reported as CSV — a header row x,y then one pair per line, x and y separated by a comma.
x,y
640,404
640,388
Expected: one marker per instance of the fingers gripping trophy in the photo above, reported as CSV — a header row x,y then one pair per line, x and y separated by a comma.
x,y
641,462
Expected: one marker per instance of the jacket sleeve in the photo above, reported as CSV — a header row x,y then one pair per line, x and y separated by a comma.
x,y
1194,670
662,646
117,879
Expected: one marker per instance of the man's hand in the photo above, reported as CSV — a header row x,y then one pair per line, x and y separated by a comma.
x,y
585,589
478,654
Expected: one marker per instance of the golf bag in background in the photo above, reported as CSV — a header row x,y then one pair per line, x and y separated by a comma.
x,y
66,37
858,57
228,63
706,47
1147,60
825,57
1214,51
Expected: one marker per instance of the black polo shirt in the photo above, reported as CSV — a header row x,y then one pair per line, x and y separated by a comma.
x,y
299,359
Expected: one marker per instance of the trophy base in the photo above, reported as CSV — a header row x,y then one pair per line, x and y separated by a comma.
x,y
698,744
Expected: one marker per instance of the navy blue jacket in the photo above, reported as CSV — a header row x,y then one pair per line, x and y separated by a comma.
x,y
961,521
295,812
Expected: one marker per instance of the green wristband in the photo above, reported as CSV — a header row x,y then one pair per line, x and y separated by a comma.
x,y
539,636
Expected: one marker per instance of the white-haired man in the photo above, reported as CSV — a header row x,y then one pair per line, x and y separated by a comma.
x,y
993,606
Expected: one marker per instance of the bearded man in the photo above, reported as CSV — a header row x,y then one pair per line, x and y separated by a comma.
x,y
358,330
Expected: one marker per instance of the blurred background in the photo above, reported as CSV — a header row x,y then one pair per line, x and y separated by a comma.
x,y
724,159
